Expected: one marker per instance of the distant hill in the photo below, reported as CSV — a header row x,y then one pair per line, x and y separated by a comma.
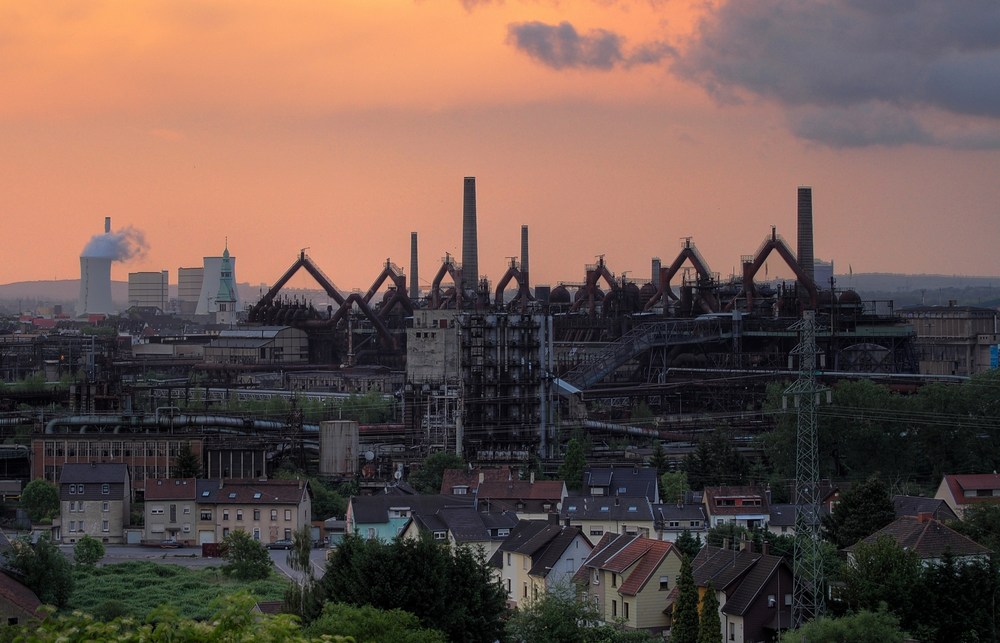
x,y
66,292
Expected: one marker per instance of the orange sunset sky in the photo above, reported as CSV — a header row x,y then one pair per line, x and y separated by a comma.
x,y
612,128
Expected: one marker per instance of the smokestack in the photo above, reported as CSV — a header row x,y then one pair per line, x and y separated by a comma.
x,y
524,249
805,251
107,225
470,246
656,271
414,276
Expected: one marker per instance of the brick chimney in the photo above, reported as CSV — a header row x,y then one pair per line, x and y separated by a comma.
x,y
925,516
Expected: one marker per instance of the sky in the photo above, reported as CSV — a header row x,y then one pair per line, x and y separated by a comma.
x,y
609,128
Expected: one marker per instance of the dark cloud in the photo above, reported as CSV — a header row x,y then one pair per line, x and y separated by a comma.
x,y
562,47
857,65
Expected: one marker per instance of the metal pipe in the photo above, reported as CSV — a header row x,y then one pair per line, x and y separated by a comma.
x,y
165,422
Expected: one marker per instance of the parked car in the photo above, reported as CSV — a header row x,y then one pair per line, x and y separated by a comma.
x,y
169,544
284,543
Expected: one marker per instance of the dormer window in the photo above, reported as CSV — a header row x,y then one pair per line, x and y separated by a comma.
x,y
232,495
440,535
633,508
257,495
605,509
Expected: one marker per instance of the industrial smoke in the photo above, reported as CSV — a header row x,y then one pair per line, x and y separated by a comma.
x,y
120,245
95,266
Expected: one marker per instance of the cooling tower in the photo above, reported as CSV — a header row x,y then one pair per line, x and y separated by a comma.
x,y
414,276
95,286
805,250
470,246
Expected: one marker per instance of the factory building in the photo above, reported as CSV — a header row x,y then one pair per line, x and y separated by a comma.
x,y
149,289
953,339
189,282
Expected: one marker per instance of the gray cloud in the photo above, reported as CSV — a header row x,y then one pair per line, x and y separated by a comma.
x,y
853,72
562,47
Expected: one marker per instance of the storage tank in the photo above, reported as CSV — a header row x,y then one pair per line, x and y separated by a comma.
x,y
338,448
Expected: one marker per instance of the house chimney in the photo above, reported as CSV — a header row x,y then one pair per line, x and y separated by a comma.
x,y
748,545
482,476
531,478
765,547
925,516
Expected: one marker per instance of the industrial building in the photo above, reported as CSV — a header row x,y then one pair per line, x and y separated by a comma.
x,y
149,290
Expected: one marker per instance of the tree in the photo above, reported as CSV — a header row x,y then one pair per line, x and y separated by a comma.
x,y
881,573
366,623
674,485
981,523
42,568
710,626
561,614
862,627
88,551
452,590
301,597
658,459
187,464
40,498
246,559
429,477
863,509
688,544
571,469
684,627
716,461
955,601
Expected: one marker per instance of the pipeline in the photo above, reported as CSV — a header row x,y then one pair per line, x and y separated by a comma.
x,y
166,422
622,428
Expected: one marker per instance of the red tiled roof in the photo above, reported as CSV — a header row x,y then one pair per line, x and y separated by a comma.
x,y
18,595
522,490
171,489
959,483
929,538
470,478
655,553
618,553
712,493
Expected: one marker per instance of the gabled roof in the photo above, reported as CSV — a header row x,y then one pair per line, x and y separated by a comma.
x,y
929,538
544,542
721,567
672,511
368,510
93,473
605,508
470,478
915,505
739,601
618,553
958,484
15,593
634,482
171,489
243,492
782,515
466,524
522,490
715,494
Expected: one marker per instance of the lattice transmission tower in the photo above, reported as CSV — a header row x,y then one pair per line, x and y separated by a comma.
x,y
808,601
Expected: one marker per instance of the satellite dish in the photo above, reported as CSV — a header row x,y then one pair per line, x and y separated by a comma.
x,y
398,475
369,455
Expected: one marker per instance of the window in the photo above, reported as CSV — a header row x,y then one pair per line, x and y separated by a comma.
x,y
597,531
72,525
72,489
673,524
508,586
771,600
508,559
524,562
187,528
256,533
105,506
225,531
503,533
625,605
274,514
105,525
597,577
187,511
614,579
232,495
225,514
440,535
173,513
206,514
525,591
256,496
664,582
205,494
788,599
156,511
371,532
732,631
288,533
614,608
105,488
288,514
79,488
239,514
256,514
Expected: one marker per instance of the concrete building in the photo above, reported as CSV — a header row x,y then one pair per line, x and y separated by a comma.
x,y
149,289
189,282
94,500
275,345
953,339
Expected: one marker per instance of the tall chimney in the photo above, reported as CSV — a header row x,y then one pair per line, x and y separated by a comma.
x,y
524,249
470,246
656,271
806,232
107,225
414,276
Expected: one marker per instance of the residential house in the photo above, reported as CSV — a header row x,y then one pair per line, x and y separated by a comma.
x,y
754,591
539,555
269,510
929,538
744,506
463,526
95,499
781,519
630,578
632,482
385,516
461,482
171,511
597,515
670,520
915,505
962,491
529,499
18,604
